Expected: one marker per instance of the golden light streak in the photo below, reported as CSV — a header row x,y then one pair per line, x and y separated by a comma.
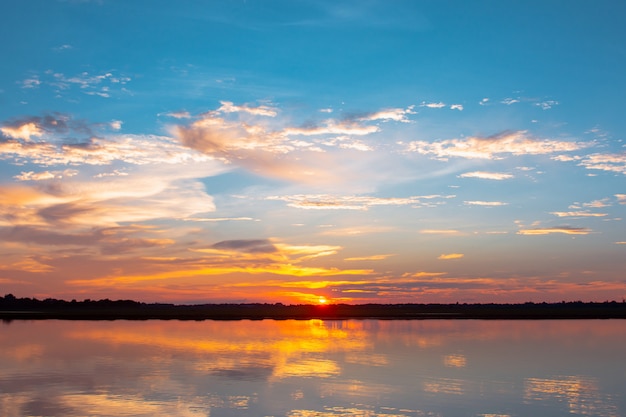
x,y
290,270
562,229
446,256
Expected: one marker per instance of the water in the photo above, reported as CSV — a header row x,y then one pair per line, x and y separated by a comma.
x,y
313,368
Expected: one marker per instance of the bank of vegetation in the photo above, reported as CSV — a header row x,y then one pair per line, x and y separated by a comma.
x,y
13,308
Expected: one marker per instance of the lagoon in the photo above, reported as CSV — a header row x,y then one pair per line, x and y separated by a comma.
x,y
305,368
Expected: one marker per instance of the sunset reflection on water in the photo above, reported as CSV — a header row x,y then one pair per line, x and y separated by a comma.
x,y
312,368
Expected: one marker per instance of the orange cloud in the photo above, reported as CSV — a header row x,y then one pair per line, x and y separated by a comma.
x,y
446,256
448,232
568,230
369,258
24,131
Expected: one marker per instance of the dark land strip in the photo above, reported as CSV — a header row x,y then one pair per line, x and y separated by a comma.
x,y
12,308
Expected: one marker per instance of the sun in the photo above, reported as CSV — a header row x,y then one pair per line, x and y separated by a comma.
x,y
322,300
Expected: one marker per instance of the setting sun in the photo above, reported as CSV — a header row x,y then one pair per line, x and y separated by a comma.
x,y
322,300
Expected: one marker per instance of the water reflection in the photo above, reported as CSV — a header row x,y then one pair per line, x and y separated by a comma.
x,y
313,368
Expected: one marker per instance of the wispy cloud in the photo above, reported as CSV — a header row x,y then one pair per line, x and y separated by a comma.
x,y
230,107
103,84
605,162
568,230
448,256
445,232
45,175
433,105
398,115
493,147
368,258
577,214
485,203
329,202
498,176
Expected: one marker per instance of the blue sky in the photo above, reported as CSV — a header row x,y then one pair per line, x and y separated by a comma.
x,y
405,151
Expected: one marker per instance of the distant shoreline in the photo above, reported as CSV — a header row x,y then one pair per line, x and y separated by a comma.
x,y
12,308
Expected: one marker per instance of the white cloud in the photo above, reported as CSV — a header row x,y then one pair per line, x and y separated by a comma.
x,y
548,104
605,162
132,149
330,202
433,105
398,115
577,214
485,203
31,82
333,127
229,107
456,107
498,176
179,114
116,124
24,131
45,175
509,101
493,147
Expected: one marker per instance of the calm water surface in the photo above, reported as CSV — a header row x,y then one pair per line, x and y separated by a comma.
x,y
313,368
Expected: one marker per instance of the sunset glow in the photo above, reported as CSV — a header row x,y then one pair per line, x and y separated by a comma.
x,y
313,152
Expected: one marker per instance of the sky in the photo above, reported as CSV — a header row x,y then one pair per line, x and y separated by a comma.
x,y
313,151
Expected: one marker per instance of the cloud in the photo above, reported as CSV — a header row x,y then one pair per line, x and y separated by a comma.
x,y
333,127
102,85
485,203
621,198
45,175
445,232
396,114
131,149
568,230
246,246
32,82
592,204
577,214
23,131
433,105
59,124
369,258
318,152
493,147
63,47
218,219
458,107
509,101
330,202
448,256
179,115
243,257
605,162
498,176
229,107
546,105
